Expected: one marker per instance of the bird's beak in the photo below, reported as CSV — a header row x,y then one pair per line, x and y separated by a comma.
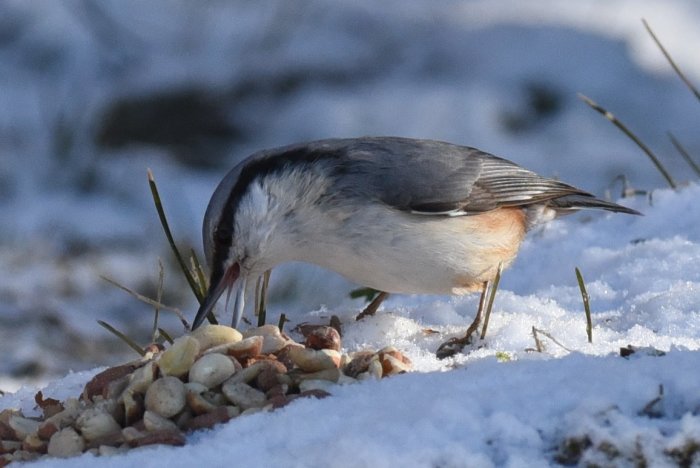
x,y
216,289
239,304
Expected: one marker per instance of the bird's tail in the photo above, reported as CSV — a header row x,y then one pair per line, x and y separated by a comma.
x,y
580,202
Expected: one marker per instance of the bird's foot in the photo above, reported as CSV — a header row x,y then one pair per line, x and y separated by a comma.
x,y
372,307
453,346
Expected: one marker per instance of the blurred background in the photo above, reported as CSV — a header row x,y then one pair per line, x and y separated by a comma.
x,y
92,93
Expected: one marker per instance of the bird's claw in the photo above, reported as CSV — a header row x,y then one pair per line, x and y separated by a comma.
x,y
453,346
372,307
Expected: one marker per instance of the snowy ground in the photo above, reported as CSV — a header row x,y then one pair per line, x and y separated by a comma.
x,y
462,72
503,403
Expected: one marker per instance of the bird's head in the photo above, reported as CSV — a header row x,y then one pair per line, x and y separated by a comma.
x,y
254,221
235,234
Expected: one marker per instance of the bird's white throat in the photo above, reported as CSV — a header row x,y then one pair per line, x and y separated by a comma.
x,y
276,217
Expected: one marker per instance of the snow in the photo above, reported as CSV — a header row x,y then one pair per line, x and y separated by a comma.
x,y
450,70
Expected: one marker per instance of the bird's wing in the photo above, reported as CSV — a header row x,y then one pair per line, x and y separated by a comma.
x,y
436,178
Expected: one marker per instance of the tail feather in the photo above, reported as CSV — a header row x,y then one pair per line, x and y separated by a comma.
x,y
579,202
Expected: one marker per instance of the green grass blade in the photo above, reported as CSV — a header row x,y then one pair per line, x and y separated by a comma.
x,y
165,335
632,136
169,236
199,271
258,293
586,305
122,337
159,297
202,282
262,311
282,321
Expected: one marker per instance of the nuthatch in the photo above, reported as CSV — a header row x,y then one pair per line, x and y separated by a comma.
x,y
395,214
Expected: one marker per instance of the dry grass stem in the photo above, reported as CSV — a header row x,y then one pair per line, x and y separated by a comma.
x,y
150,301
678,71
548,335
492,296
632,136
199,271
684,153
649,409
122,337
539,346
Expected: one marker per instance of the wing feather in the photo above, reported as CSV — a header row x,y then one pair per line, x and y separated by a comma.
x,y
435,178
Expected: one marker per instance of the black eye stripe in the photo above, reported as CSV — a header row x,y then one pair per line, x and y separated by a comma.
x,y
223,236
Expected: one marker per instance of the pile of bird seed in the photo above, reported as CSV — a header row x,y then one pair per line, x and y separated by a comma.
x,y
208,377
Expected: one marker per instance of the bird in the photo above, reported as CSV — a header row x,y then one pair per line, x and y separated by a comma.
x,y
398,215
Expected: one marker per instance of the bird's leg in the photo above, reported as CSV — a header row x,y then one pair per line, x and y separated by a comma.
x,y
373,306
455,345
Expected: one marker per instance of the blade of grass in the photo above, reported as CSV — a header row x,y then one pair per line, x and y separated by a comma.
x,y
150,301
201,277
684,153
632,136
649,409
262,312
282,321
258,293
122,337
542,332
159,297
586,305
492,296
627,189
678,71
539,346
165,335
169,236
